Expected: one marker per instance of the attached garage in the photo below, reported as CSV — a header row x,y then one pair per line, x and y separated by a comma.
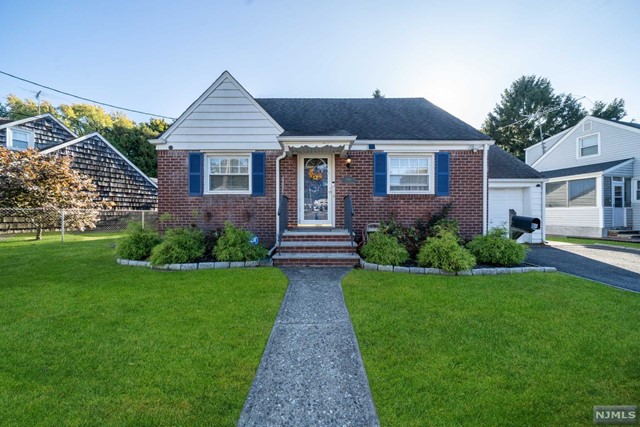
x,y
514,185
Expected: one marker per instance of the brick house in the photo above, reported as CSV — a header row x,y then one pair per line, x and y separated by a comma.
x,y
233,157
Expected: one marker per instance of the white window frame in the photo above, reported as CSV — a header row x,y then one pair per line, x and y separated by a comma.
x,y
579,148
30,142
209,156
635,186
431,167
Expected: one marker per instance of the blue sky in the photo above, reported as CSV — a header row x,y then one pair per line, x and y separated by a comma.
x,y
159,56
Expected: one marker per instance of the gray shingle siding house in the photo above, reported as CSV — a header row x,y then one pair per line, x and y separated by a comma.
x,y
116,178
594,177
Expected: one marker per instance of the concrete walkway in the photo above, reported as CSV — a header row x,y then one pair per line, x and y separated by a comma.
x,y
311,373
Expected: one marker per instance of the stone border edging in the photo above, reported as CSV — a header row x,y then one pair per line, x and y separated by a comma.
x,y
474,272
196,265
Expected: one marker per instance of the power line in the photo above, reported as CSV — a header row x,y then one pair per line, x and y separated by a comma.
x,y
86,99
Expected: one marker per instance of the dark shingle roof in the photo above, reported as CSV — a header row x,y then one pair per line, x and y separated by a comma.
x,y
597,167
5,121
633,125
368,118
503,165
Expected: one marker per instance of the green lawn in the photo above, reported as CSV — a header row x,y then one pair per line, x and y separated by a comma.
x,y
84,341
534,349
580,241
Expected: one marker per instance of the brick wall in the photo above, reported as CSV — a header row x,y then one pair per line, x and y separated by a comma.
x,y
258,213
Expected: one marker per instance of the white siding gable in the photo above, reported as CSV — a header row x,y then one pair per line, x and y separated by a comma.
x,y
225,117
535,151
617,142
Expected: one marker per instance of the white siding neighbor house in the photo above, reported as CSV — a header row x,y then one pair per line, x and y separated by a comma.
x,y
593,170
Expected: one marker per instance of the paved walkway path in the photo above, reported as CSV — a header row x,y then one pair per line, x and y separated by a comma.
x,y
311,373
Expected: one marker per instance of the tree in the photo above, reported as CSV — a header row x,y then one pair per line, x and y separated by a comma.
x,y
530,110
613,111
19,109
377,94
44,184
4,111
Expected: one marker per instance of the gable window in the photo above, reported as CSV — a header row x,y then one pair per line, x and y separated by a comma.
x,y
229,174
410,174
589,146
19,139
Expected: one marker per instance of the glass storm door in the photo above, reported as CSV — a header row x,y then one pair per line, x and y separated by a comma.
x,y
618,204
315,182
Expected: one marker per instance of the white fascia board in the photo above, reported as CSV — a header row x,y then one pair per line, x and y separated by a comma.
x,y
83,138
504,183
548,138
225,75
230,146
613,124
158,141
572,177
34,118
291,140
420,145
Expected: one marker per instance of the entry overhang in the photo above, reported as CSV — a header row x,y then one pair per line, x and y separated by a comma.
x,y
317,144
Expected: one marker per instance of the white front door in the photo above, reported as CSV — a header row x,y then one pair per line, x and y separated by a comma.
x,y
315,190
618,204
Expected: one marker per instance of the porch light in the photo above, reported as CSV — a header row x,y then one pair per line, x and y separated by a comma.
x,y
348,161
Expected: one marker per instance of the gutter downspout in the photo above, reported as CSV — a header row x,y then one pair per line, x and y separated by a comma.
x,y
280,157
485,167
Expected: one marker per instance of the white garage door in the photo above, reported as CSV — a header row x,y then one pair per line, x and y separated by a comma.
x,y
500,201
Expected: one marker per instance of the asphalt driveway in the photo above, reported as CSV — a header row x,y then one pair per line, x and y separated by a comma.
x,y
618,267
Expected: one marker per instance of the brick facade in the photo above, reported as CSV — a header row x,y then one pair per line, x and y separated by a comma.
x,y
258,213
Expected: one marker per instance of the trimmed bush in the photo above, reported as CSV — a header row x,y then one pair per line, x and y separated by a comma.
x,y
384,249
496,249
180,245
137,243
235,245
445,252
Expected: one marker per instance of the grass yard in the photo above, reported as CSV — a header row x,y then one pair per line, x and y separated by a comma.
x,y
579,241
84,341
532,350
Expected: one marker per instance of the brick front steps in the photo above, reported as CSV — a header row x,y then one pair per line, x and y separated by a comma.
x,y
316,248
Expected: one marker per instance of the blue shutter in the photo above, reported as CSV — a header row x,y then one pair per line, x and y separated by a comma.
x,y
379,174
258,175
195,174
442,174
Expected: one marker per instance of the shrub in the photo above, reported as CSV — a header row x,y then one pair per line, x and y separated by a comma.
x,y
138,242
235,245
180,245
444,251
384,249
496,249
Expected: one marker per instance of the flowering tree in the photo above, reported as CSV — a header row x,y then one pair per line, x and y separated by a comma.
x,y
42,183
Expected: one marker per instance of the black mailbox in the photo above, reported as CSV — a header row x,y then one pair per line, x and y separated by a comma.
x,y
518,225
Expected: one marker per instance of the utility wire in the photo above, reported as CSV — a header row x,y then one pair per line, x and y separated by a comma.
x,y
86,99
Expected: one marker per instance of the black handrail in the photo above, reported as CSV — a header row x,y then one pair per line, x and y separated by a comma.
x,y
348,215
283,213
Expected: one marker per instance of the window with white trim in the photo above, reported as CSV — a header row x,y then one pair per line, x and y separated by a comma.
x,y
589,146
229,174
573,193
19,139
635,190
410,174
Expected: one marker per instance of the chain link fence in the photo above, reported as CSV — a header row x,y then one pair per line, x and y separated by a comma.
x,y
15,220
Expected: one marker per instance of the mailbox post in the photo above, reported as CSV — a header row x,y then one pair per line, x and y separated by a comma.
x,y
518,225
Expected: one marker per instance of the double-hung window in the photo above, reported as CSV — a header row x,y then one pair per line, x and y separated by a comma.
x,y
20,139
410,174
635,190
229,174
589,146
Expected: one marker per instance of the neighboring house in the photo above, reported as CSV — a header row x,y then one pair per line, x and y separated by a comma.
x,y
514,185
594,177
231,157
116,178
